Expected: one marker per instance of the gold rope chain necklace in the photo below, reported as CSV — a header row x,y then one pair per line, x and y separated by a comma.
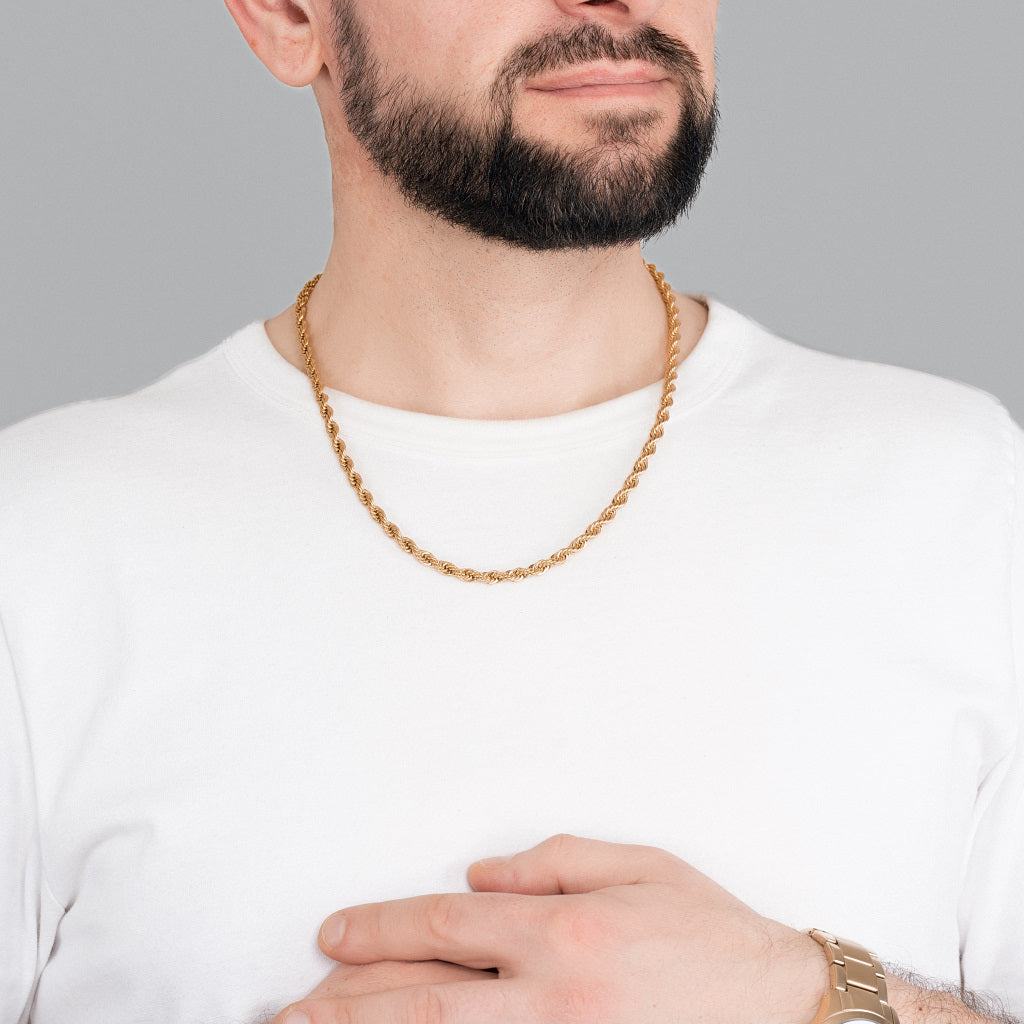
x,y
407,544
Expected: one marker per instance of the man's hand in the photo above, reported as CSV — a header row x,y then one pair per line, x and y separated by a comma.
x,y
579,931
345,980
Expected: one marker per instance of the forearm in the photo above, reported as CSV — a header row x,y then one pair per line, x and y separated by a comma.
x,y
920,1000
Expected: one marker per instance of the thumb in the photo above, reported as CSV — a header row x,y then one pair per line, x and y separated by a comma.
x,y
568,864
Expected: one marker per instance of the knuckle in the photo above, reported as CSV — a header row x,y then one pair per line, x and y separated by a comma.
x,y
656,863
427,1006
646,864
340,1014
582,926
440,917
561,845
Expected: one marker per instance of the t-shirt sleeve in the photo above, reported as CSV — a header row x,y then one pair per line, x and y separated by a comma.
x,y
21,884
992,909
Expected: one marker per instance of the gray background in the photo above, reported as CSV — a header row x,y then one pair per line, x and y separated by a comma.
x,y
160,189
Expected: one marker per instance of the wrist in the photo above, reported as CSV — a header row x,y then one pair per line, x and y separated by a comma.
x,y
802,988
857,985
904,998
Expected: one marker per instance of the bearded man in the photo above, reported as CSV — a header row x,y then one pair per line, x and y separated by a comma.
x,y
738,622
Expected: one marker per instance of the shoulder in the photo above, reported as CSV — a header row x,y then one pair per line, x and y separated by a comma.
x,y
888,411
103,446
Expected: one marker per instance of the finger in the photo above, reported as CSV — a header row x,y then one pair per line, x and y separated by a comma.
x,y
464,1002
478,930
345,980
568,864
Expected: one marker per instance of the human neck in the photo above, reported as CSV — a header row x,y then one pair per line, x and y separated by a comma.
x,y
418,315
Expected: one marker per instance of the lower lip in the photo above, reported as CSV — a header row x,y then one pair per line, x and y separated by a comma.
x,y
610,90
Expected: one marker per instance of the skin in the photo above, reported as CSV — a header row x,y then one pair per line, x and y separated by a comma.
x,y
415,313
581,931
598,951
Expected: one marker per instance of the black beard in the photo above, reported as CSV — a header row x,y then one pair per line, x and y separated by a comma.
x,y
497,184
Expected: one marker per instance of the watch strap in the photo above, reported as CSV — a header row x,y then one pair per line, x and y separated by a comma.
x,y
857,989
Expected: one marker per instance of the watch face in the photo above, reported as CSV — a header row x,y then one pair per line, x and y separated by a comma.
x,y
858,1016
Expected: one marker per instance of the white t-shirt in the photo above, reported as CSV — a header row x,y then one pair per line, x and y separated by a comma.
x,y
229,705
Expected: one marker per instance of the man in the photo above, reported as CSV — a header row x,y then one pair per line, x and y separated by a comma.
x,y
783,654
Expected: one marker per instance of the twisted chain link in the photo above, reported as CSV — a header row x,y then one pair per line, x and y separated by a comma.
x,y
407,544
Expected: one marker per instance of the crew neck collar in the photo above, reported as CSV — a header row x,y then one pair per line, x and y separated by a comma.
x,y
700,376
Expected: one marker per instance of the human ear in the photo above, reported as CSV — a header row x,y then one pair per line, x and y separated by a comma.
x,y
284,35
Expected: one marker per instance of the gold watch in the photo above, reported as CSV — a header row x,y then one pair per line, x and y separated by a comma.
x,y
856,984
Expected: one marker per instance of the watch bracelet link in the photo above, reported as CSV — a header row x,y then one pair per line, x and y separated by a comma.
x,y
857,989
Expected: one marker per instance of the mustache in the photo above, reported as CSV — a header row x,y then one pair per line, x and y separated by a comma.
x,y
591,42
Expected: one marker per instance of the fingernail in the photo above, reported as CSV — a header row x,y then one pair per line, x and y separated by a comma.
x,y
332,931
297,1017
493,862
